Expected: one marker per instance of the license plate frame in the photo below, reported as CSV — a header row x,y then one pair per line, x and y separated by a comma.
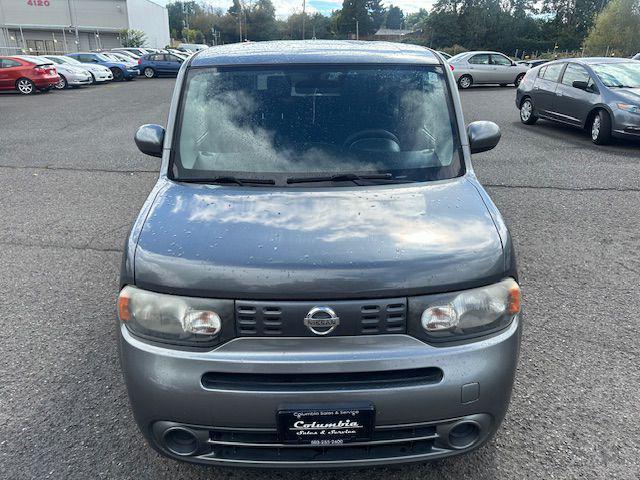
x,y
326,424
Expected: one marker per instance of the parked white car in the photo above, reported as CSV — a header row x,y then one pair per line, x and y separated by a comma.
x,y
137,51
479,67
192,47
98,72
121,57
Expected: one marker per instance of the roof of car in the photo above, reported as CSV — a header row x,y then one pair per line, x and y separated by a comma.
x,y
313,52
594,60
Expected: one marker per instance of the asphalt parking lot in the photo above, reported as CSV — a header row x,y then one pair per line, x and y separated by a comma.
x,y
72,181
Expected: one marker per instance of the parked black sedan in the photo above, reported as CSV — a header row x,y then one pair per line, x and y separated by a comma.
x,y
601,95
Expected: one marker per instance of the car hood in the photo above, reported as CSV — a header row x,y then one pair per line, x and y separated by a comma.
x,y
93,67
234,242
629,94
71,68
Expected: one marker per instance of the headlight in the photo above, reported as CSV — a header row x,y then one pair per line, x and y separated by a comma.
x,y
175,319
629,108
464,314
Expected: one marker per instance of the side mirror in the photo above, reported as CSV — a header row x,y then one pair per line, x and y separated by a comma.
x,y
580,84
483,136
150,139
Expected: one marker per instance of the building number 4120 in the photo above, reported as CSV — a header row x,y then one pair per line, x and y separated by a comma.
x,y
38,3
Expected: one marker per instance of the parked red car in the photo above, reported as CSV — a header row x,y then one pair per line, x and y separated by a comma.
x,y
27,76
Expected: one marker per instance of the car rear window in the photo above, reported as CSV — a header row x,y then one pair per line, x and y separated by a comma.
x,y
277,122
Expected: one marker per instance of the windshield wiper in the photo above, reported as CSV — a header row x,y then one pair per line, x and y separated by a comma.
x,y
342,177
229,179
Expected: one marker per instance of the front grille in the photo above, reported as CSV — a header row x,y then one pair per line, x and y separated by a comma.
x,y
389,443
321,381
357,317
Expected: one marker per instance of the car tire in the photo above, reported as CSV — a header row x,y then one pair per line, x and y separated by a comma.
x,y
465,82
149,72
25,86
93,78
526,112
601,128
118,75
62,84
518,80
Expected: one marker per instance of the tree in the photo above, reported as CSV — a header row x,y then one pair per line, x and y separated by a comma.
x,y
262,21
362,16
616,30
181,15
395,18
415,21
132,38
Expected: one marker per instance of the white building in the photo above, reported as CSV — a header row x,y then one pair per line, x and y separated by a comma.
x,y
60,26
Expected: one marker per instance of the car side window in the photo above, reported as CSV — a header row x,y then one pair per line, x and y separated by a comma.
x,y
575,73
172,58
552,72
8,63
541,72
500,60
480,59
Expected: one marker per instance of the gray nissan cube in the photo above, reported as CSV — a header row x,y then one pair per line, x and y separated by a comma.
x,y
317,278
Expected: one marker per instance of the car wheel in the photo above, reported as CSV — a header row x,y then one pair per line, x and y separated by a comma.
x,y
62,84
118,76
518,80
149,72
93,78
526,112
25,86
465,81
601,128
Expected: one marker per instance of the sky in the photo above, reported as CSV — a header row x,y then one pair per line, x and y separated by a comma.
x,y
286,7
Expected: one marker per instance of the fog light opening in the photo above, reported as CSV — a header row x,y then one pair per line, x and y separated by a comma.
x,y
464,434
180,441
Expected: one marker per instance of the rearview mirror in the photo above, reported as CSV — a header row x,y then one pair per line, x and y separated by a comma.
x,y
150,139
483,136
580,84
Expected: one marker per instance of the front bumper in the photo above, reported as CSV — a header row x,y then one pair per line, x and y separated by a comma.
x,y
626,125
76,80
102,76
236,425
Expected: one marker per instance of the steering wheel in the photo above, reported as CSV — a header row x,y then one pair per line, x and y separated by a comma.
x,y
373,140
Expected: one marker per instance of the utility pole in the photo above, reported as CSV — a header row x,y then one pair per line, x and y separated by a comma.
x,y
357,30
304,16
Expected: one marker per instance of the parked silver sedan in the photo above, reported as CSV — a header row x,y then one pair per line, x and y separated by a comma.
x,y
98,72
475,68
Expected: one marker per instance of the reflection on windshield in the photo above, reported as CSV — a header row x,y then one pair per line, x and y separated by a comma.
x,y
619,74
310,120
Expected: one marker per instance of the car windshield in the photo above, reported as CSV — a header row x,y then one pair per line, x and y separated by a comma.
x,y
279,123
69,60
102,58
620,75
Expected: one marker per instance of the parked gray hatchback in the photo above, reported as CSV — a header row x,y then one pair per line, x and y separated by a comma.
x,y
601,95
318,279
